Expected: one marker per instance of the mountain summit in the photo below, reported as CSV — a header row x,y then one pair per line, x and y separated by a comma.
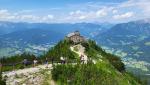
x,y
75,61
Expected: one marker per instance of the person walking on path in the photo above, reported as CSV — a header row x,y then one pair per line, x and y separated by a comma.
x,y
25,62
1,70
82,59
35,62
52,59
46,62
62,60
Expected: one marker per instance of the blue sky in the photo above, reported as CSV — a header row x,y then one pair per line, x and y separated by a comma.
x,y
36,4
73,11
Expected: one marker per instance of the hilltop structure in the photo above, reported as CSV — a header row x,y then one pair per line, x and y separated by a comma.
x,y
75,37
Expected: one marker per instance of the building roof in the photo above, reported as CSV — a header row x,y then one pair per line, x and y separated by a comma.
x,y
71,34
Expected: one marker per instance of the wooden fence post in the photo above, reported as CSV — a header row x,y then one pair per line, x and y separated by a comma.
x,y
1,70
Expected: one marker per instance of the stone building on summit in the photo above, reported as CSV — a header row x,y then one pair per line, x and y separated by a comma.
x,y
75,37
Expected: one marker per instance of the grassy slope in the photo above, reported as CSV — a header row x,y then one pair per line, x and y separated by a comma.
x,y
102,73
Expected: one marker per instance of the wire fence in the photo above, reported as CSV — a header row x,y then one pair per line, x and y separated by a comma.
x,y
41,62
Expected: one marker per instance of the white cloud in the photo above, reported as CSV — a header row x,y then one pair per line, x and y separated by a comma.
x,y
87,15
77,15
143,6
33,18
3,11
29,17
78,12
123,16
50,16
5,15
47,18
82,17
24,11
114,11
101,13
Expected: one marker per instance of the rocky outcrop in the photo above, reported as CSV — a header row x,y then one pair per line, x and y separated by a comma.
x,y
29,76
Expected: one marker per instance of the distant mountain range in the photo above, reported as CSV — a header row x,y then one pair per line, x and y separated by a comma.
x,y
9,27
129,40
37,37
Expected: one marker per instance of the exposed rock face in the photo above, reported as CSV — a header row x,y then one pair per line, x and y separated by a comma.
x,y
29,76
